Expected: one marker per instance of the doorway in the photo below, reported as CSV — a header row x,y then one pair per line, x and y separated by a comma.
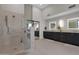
x,y
36,30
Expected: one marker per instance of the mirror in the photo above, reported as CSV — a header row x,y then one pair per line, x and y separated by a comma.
x,y
37,29
52,25
73,23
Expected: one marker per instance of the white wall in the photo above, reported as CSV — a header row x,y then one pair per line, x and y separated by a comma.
x,y
38,16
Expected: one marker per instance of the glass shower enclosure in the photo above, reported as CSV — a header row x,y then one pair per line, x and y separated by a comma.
x,y
14,36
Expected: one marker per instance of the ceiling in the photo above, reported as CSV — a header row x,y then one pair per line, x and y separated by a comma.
x,y
41,6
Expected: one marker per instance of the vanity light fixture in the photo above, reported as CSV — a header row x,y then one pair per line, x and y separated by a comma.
x,y
61,23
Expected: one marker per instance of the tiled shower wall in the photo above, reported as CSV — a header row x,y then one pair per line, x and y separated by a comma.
x,y
12,40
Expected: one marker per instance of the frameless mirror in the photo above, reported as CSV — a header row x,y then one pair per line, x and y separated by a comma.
x,y
73,23
52,25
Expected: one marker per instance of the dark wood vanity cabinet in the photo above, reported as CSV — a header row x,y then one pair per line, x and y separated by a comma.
x,y
65,37
75,39
51,35
36,33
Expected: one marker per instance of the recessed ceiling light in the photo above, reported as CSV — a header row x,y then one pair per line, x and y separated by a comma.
x,y
40,4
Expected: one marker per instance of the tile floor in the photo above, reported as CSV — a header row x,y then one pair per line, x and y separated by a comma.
x,y
50,47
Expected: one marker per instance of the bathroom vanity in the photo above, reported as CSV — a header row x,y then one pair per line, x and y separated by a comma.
x,y
36,33
65,37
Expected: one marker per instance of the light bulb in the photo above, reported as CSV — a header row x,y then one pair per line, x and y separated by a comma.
x,y
61,23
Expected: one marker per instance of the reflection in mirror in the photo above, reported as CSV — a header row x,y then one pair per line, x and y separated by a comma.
x,y
29,25
73,23
52,25
37,29
78,23
37,26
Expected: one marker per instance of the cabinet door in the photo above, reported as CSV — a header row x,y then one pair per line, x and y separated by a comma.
x,y
75,39
67,37
45,34
57,36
